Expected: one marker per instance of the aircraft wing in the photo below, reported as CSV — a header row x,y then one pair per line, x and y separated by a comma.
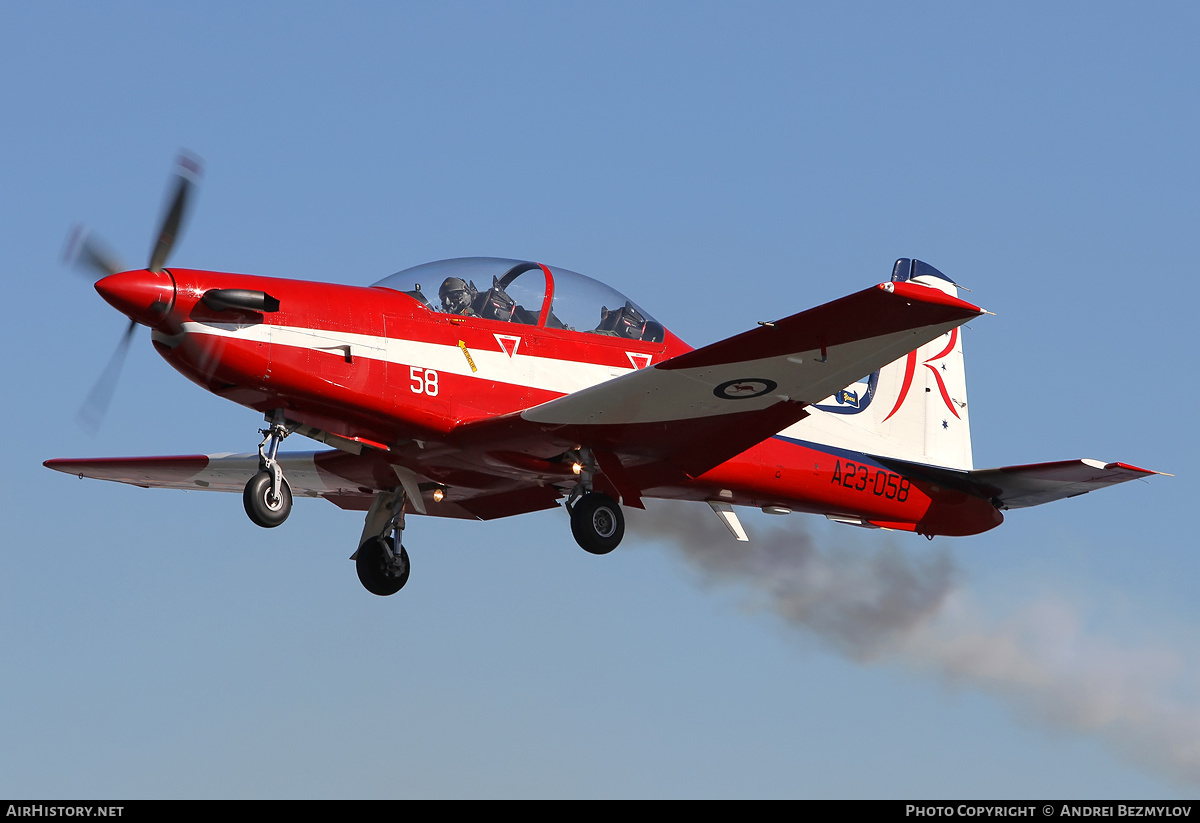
x,y
349,481
701,408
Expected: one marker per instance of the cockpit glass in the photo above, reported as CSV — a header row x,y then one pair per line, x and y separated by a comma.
x,y
489,287
583,304
514,291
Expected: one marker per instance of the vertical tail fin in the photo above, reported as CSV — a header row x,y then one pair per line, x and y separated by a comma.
x,y
914,409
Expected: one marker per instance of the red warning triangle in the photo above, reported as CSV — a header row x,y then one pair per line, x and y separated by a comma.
x,y
508,343
639,361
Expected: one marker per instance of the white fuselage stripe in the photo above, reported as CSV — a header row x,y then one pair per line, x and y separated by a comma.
x,y
545,373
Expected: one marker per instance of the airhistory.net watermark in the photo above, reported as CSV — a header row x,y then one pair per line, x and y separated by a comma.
x,y
42,810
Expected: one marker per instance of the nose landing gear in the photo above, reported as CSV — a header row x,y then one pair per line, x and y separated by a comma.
x,y
267,497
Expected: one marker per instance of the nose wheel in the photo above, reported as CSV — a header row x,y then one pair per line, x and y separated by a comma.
x,y
266,507
267,496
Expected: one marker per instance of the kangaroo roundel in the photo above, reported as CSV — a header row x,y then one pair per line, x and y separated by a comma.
x,y
745,388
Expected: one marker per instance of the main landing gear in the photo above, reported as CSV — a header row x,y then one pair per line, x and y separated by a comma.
x,y
267,496
381,569
596,519
597,522
381,561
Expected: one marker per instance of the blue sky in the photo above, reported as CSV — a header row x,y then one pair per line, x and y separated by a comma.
x,y
722,164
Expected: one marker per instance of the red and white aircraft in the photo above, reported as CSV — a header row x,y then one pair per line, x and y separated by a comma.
x,y
482,388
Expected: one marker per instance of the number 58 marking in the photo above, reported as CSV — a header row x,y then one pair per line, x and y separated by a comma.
x,y
424,381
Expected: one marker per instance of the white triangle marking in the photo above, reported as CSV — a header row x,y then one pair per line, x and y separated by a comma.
x,y
639,361
508,343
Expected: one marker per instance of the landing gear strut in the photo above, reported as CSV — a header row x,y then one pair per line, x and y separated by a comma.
x,y
596,519
381,561
267,496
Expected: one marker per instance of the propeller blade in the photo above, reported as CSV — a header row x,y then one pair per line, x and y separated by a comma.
x,y
91,254
95,407
88,253
189,168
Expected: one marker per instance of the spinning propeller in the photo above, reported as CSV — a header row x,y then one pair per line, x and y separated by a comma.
x,y
90,254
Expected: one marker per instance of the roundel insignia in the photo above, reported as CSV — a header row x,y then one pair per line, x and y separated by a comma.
x,y
745,388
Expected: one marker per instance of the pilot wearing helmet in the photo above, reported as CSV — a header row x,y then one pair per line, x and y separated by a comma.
x,y
457,297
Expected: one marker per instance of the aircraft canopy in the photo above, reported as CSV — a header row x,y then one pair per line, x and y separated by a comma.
x,y
520,291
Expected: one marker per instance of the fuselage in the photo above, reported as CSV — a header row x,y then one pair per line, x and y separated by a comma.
x,y
384,367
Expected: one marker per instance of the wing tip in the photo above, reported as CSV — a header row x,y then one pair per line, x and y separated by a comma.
x,y
927,294
1131,468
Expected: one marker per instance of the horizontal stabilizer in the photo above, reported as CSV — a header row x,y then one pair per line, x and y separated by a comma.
x,y
1018,487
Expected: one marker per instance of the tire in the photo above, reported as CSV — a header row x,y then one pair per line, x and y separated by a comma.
x,y
597,523
373,571
260,507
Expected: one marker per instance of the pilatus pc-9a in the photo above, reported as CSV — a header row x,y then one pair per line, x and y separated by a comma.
x,y
482,387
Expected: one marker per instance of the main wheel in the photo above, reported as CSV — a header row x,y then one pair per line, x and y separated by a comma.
x,y
375,573
597,523
263,508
